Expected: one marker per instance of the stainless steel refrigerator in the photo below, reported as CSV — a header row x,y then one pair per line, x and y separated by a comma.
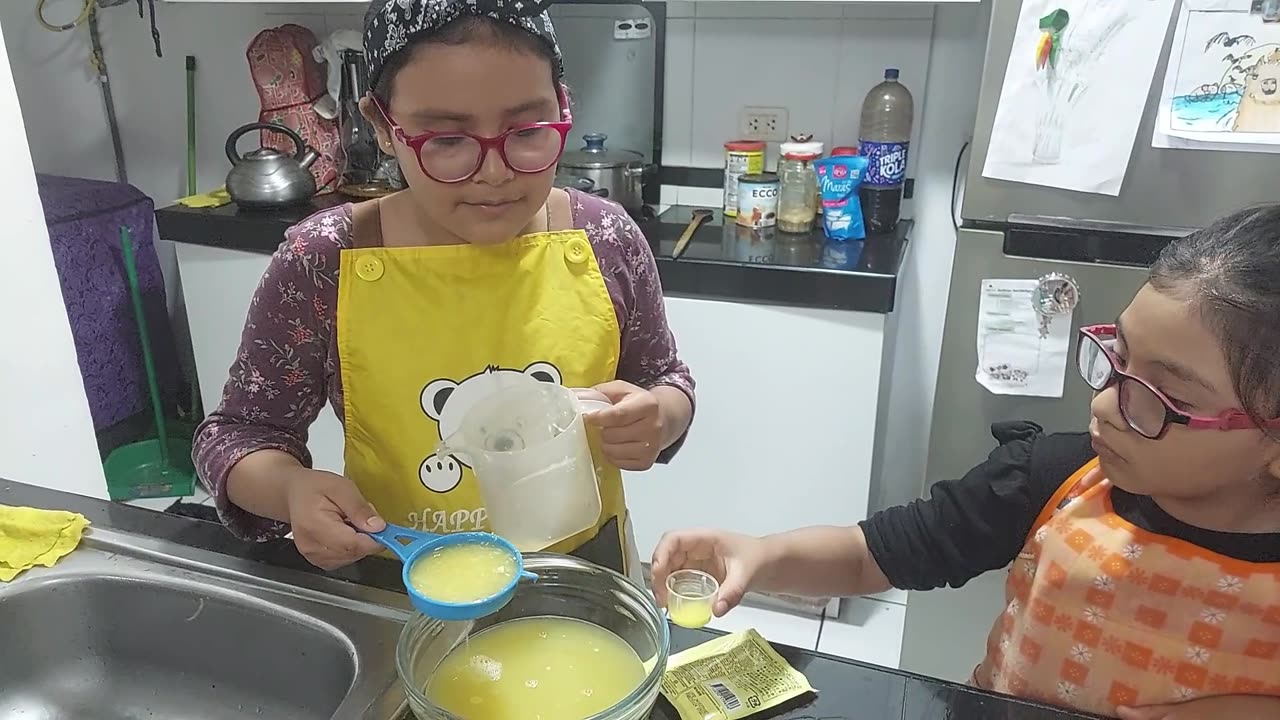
x,y
1013,230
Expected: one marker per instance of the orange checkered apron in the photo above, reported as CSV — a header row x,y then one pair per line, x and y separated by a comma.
x,y
1100,613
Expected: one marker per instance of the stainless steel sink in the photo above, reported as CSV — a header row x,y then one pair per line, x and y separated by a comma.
x,y
129,627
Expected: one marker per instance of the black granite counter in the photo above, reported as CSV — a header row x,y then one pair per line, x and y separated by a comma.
x,y
846,690
726,261
722,261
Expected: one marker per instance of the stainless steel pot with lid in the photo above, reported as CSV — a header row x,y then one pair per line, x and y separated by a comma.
x,y
614,173
581,184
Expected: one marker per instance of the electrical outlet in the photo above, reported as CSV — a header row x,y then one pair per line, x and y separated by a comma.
x,y
763,123
631,29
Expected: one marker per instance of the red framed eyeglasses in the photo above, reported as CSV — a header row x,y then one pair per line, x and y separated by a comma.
x,y
454,157
1147,410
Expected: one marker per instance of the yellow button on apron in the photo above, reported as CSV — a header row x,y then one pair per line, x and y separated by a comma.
x,y
577,251
369,268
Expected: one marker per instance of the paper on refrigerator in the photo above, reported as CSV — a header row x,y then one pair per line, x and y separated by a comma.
x,y
1020,351
1075,91
1220,85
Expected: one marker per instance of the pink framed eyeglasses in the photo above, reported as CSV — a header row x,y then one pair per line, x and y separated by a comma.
x,y
454,157
1147,410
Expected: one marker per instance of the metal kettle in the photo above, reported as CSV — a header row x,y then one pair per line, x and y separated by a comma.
x,y
266,177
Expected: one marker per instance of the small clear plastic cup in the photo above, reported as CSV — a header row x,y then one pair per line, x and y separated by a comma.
x,y
691,594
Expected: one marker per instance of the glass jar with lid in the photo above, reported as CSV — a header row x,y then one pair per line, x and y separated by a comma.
x,y
798,196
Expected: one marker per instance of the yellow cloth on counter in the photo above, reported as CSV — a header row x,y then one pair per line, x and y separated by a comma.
x,y
216,198
31,537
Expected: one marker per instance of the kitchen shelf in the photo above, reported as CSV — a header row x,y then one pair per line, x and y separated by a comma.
x,y
642,2
266,2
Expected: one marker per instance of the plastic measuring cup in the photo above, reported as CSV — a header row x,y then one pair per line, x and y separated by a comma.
x,y
527,444
691,595
420,544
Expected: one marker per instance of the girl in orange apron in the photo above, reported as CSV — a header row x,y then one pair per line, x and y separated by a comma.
x,y
1144,555
402,312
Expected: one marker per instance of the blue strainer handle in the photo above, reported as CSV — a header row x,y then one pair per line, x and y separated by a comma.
x,y
393,534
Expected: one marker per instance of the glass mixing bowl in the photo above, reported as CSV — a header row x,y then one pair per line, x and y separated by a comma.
x,y
566,587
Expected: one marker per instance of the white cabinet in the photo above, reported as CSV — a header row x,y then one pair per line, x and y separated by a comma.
x,y
869,630
773,625
785,421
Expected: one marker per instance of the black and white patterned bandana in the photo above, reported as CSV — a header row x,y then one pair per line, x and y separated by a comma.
x,y
390,25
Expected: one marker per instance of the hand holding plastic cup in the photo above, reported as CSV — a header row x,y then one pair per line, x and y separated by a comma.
x,y
691,594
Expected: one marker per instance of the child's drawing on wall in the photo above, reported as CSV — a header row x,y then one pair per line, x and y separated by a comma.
x,y
1070,104
1228,76
1259,109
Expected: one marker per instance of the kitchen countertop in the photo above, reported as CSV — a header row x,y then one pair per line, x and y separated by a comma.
x,y
847,690
721,262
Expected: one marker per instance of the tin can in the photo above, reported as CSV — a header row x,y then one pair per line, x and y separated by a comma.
x,y
741,157
758,200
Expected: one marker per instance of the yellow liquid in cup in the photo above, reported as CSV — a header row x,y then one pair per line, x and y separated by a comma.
x,y
689,613
463,573
539,668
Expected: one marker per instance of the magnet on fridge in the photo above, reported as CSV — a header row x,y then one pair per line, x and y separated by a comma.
x,y
1056,294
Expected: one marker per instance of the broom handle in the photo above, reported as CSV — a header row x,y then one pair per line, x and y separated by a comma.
x,y
191,125
139,314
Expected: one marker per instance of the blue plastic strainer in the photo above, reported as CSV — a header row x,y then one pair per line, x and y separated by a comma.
x,y
410,545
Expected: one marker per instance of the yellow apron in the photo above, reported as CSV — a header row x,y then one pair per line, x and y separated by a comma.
x,y
423,330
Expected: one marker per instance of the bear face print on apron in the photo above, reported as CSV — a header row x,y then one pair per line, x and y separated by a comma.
x,y
1100,613
422,334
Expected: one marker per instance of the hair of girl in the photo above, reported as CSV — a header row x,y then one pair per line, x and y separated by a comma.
x,y
1230,273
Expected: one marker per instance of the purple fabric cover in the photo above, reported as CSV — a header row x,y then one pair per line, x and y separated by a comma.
x,y
84,219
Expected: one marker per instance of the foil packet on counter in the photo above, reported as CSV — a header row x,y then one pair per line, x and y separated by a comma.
x,y
839,178
731,677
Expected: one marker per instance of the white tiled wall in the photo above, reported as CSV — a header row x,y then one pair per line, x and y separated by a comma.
x,y
817,60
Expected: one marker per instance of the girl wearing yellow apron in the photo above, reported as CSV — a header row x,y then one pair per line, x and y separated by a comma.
x,y
1144,555
402,312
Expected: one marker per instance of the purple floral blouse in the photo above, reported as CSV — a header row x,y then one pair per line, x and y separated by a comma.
x,y
287,366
